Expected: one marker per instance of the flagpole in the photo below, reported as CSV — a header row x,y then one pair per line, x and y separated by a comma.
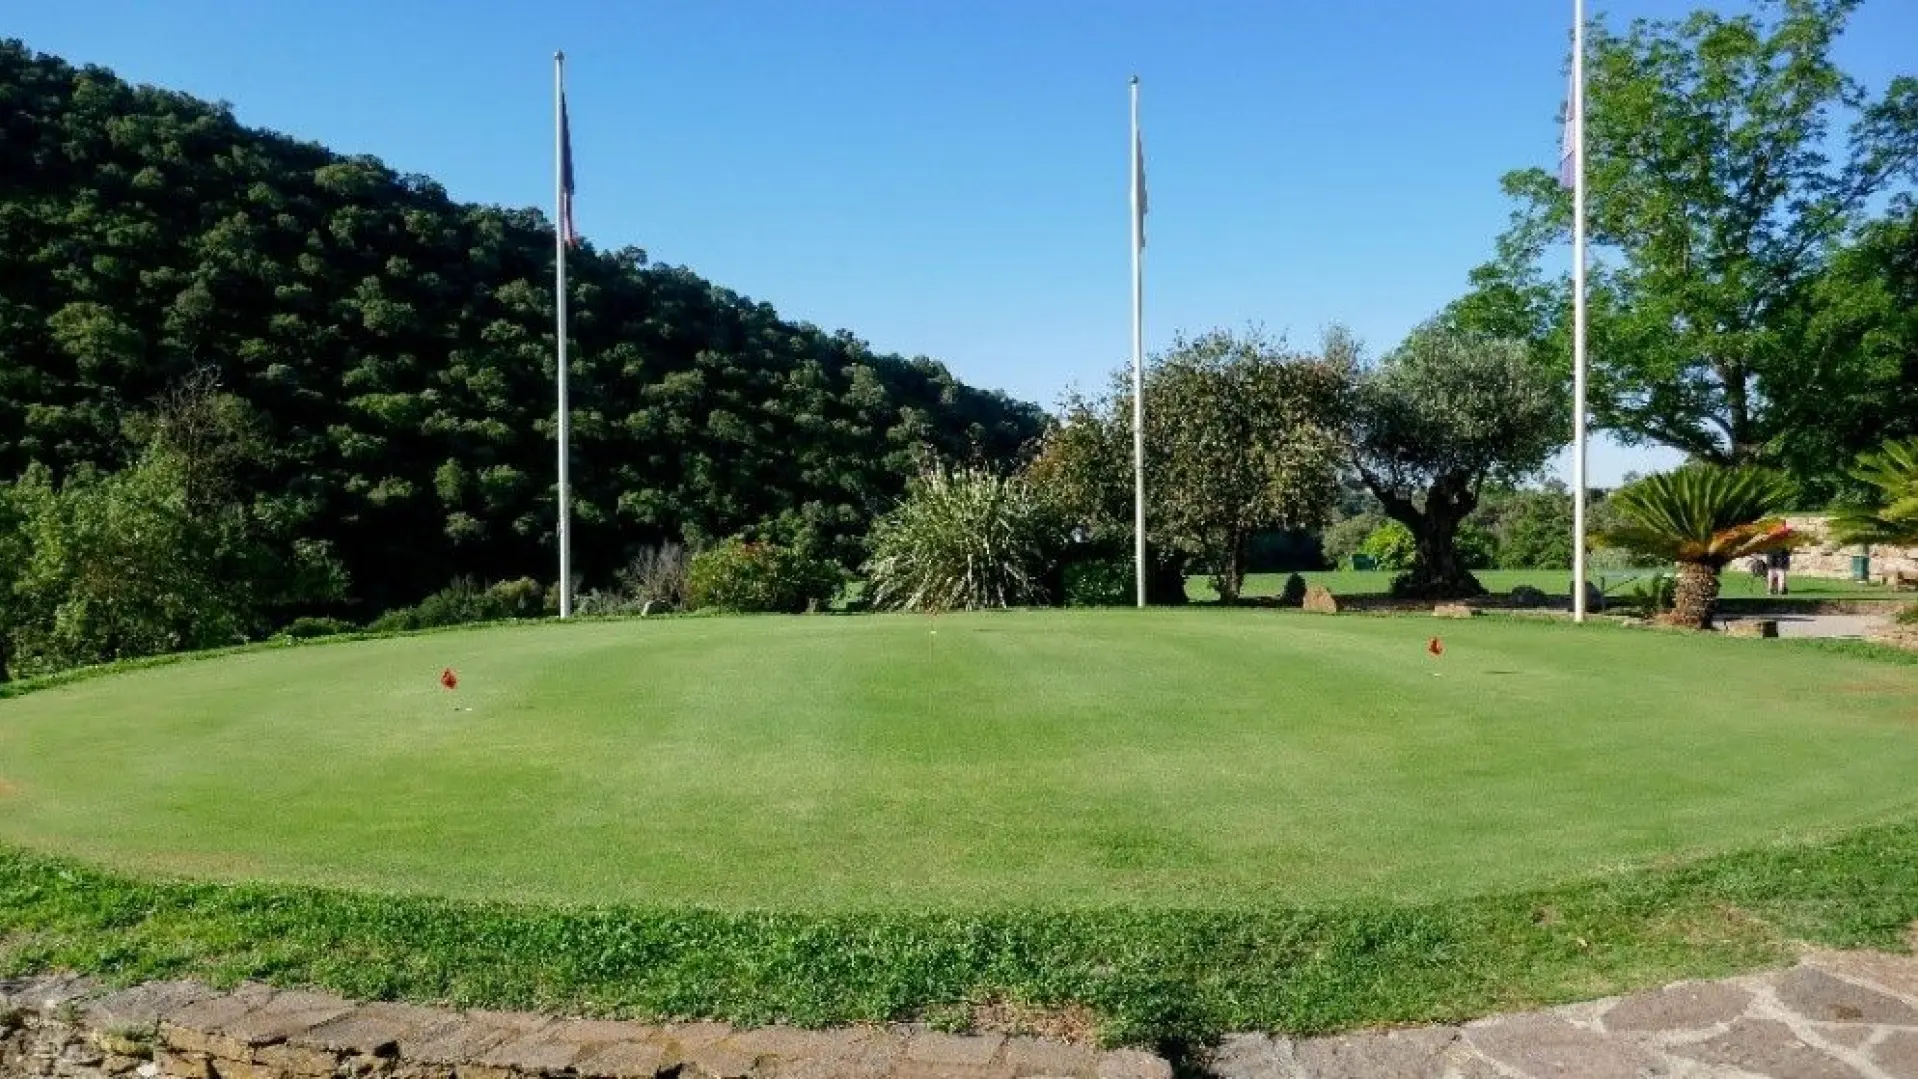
x,y
559,334
1138,352
1578,311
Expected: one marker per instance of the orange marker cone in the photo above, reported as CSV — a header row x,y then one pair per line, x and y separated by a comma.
x,y
1435,647
449,679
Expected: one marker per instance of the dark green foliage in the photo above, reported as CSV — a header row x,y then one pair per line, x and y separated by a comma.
x,y
744,577
307,628
1167,976
464,602
394,349
1100,582
1293,594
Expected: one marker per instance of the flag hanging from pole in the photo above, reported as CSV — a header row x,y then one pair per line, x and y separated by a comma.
x,y
567,232
1138,182
1568,142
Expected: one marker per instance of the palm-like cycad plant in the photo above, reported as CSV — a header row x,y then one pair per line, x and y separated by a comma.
x,y
962,540
1892,518
1702,518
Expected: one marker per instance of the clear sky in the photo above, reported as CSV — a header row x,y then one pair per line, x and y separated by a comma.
x,y
948,177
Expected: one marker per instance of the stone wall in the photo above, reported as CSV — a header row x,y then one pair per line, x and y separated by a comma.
x,y
70,1028
1828,559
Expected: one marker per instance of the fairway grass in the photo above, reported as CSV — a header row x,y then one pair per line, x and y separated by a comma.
x,y
1046,759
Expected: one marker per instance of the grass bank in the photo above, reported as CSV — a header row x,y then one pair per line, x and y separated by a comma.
x,y
1159,976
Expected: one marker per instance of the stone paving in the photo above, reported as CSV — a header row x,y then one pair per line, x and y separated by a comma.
x,y
1836,1015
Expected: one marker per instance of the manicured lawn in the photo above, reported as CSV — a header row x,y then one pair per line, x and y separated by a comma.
x,y
1557,582
1171,759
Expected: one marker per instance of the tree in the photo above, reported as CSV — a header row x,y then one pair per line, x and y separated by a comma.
x,y
1240,436
1702,517
1729,160
964,540
1433,423
390,351
1891,517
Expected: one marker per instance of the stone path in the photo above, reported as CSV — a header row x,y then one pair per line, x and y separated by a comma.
x,y
1820,625
1836,1015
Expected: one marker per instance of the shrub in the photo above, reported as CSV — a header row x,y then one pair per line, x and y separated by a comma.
x,y
759,577
1653,595
1908,616
1293,594
1477,548
1343,540
1390,546
659,574
963,540
602,602
465,601
1527,596
1099,582
522,598
301,629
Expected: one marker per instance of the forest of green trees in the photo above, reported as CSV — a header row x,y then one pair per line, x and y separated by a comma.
x,y
359,370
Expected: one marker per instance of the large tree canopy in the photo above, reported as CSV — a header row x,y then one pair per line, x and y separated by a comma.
x,y
1441,416
1240,436
1729,161
396,349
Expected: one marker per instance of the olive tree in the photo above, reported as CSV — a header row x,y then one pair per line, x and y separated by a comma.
x,y
1434,422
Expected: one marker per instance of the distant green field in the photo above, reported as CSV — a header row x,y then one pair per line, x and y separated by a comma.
x,y
1558,582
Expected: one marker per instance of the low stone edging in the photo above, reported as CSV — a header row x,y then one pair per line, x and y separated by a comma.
x,y
74,1029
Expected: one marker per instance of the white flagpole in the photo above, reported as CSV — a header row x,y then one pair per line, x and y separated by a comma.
x,y
1138,352
559,333
1578,310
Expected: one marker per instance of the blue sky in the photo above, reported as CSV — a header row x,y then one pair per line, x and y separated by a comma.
x,y
949,178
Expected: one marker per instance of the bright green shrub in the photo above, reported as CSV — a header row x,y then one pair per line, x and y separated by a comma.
x,y
1390,546
760,577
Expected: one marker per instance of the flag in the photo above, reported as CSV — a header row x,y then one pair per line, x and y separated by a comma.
x,y
566,230
1138,183
1568,143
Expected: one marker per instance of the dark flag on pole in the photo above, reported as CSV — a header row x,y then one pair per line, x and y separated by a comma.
x,y
566,230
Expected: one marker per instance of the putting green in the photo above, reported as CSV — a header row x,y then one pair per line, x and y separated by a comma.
x,y
1200,757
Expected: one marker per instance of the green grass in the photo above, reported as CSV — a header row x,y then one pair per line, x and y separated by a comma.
x,y
1057,759
1192,821
1171,977
1558,582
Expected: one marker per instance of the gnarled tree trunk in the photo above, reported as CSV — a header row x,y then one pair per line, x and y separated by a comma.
x,y
1437,570
1694,595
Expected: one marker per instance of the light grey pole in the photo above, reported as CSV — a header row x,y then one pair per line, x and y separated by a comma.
x,y
560,211
1138,347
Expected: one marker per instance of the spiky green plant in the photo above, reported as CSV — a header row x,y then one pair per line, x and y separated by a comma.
x,y
1702,518
963,540
1892,516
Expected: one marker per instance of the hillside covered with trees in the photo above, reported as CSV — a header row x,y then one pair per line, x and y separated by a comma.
x,y
371,363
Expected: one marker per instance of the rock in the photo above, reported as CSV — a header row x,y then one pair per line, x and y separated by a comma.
x,y
1527,596
1752,627
1319,600
1454,610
